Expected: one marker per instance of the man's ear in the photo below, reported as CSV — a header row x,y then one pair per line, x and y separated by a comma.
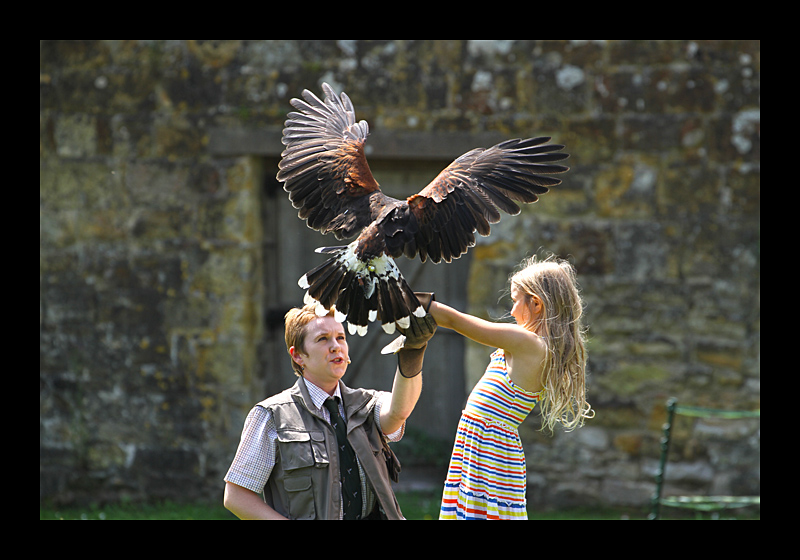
x,y
296,355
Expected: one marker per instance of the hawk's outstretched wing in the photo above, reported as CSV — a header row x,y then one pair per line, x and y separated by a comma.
x,y
326,174
323,166
467,196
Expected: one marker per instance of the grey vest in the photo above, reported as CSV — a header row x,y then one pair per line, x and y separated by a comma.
x,y
304,484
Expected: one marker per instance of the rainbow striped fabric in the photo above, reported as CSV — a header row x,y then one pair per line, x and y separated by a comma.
x,y
486,478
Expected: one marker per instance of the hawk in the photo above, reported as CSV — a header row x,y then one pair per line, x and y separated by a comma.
x,y
326,174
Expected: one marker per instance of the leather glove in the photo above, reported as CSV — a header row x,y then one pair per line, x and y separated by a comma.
x,y
410,346
420,330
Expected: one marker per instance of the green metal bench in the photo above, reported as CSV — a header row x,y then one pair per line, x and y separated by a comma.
x,y
697,503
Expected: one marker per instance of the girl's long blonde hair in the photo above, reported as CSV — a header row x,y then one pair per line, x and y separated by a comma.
x,y
564,375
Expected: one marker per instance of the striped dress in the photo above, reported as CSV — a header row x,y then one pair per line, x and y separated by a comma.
x,y
487,477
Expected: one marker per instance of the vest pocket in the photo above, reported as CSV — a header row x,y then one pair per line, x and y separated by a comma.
x,y
300,453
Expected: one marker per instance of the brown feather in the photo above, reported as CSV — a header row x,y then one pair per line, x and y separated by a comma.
x,y
323,167
325,171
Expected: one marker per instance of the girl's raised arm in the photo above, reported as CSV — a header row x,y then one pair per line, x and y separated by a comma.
x,y
511,337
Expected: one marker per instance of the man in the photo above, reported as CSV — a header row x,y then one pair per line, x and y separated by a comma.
x,y
296,448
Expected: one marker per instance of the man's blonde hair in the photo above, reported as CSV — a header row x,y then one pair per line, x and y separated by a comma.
x,y
296,322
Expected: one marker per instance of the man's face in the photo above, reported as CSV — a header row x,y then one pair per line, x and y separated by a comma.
x,y
325,354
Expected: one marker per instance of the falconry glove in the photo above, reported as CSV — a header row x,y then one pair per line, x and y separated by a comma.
x,y
410,346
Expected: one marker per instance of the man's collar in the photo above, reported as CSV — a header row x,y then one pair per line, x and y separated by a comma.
x,y
318,396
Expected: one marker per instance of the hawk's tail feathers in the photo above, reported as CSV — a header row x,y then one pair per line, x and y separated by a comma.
x,y
361,292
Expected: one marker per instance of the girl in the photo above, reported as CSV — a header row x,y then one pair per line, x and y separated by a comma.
x,y
541,358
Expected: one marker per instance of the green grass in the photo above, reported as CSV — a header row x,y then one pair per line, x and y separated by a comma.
x,y
415,505
419,505
131,511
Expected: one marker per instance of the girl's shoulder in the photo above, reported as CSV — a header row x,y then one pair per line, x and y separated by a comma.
x,y
525,368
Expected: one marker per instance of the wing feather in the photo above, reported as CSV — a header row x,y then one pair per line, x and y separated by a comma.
x,y
469,194
325,171
323,166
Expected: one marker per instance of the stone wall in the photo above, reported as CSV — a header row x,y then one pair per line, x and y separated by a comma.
x,y
153,324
